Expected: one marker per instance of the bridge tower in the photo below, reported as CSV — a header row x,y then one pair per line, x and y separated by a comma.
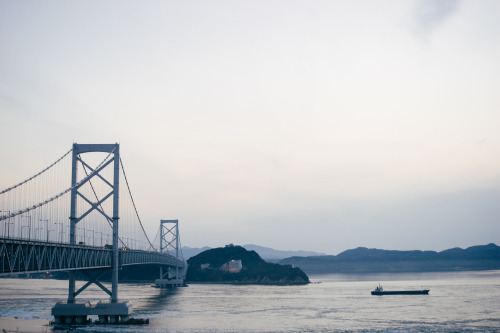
x,y
169,241
71,312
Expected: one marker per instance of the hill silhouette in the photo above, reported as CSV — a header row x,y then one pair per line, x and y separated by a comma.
x,y
254,270
266,253
364,260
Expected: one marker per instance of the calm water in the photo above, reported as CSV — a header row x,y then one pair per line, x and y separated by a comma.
x,y
465,301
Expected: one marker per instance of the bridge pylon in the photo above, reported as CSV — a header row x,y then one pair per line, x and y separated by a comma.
x,y
70,312
169,241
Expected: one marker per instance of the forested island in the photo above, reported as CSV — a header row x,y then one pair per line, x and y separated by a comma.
x,y
364,260
236,265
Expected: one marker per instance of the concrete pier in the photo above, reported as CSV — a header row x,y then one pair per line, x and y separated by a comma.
x,y
165,283
77,313
113,313
71,313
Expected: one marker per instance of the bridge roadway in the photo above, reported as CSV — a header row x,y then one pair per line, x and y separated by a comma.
x,y
22,256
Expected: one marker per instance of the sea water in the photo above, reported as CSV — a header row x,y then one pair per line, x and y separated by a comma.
x,y
457,302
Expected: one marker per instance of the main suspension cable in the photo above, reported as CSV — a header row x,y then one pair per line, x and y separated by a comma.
x,y
135,208
4,217
38,174
156,237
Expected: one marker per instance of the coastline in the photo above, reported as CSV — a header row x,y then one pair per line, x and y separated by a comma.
x,y
12,324
247,283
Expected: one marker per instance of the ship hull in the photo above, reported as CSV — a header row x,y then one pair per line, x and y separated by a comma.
x,y
401,292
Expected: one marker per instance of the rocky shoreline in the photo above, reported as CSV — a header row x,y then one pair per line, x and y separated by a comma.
x,y
264,281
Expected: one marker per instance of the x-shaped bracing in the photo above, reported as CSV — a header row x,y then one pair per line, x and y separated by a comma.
x,y
97,205
93,279
169,243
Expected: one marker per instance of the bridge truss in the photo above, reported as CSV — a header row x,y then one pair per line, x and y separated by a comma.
x,y
22,257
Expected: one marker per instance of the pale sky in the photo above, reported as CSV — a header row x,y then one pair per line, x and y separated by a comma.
x,y
312,125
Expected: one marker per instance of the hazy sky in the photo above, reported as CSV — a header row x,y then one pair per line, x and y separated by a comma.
x,y
313,125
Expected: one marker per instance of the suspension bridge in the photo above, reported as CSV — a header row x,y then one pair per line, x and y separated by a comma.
x,y
74,216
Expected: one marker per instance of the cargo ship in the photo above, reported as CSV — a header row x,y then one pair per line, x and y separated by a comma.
x,y
379,291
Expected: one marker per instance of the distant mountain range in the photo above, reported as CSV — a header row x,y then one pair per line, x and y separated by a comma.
x,y
265,253
364,260
188,252
270,254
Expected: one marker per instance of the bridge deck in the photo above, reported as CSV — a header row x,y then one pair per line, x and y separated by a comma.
x,y
21,257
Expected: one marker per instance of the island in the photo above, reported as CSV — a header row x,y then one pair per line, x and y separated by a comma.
x,y
235,265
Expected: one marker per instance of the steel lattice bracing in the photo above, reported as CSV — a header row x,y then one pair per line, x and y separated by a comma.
x,y
78,150
21,257
169,241
169,236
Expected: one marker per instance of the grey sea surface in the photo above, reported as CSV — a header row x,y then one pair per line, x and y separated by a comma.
x,y
457,302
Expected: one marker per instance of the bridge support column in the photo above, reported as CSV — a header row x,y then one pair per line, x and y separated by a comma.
x,y
72,219
114,276
71,312
71,289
